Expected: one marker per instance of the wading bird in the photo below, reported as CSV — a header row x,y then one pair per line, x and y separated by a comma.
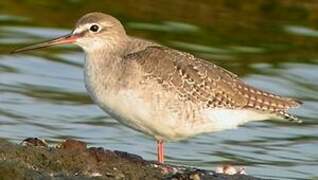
x,y
163,92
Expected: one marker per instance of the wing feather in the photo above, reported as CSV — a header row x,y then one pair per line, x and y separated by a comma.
x,y
205,83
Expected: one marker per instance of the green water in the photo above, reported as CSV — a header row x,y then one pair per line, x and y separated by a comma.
x,y
270,44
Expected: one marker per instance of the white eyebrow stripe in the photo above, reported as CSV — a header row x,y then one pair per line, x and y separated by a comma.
x,y
79,30
85,27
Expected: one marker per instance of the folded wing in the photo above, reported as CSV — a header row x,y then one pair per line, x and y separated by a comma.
x,y
207,84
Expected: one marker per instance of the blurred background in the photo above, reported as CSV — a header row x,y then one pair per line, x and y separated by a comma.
x,y
271,44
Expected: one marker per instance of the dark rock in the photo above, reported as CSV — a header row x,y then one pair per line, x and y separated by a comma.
x,y
100,154
73,160
129,156
197,174
34,142
72,144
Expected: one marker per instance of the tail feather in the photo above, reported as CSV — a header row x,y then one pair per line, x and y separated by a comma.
x,y
266,101
271,103
289,117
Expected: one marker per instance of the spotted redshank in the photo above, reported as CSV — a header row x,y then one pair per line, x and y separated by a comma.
x,y
162,92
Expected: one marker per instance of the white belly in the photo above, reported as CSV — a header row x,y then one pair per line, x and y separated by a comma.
x,y
127,107
231,118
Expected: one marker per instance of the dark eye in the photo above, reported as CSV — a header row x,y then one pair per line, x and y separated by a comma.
x,y
94,28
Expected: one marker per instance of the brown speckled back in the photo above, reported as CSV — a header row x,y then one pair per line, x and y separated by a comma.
x,y
207,84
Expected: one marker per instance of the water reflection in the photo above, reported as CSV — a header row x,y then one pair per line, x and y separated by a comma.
x,y
271,45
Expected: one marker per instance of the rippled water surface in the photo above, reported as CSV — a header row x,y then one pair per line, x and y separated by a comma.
x,y
271,44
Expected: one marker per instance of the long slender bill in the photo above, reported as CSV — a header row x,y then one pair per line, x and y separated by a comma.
x,y
67,39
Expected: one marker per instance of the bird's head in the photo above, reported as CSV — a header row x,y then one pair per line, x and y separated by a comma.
x,y
93,32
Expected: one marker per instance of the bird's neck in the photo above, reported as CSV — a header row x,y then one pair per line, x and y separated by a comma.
x,y
104,67
108,54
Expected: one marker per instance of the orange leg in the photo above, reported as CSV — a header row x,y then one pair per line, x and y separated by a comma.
x,y
160,151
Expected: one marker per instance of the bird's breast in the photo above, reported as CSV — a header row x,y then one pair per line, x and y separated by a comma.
x,y
148,109
119,101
